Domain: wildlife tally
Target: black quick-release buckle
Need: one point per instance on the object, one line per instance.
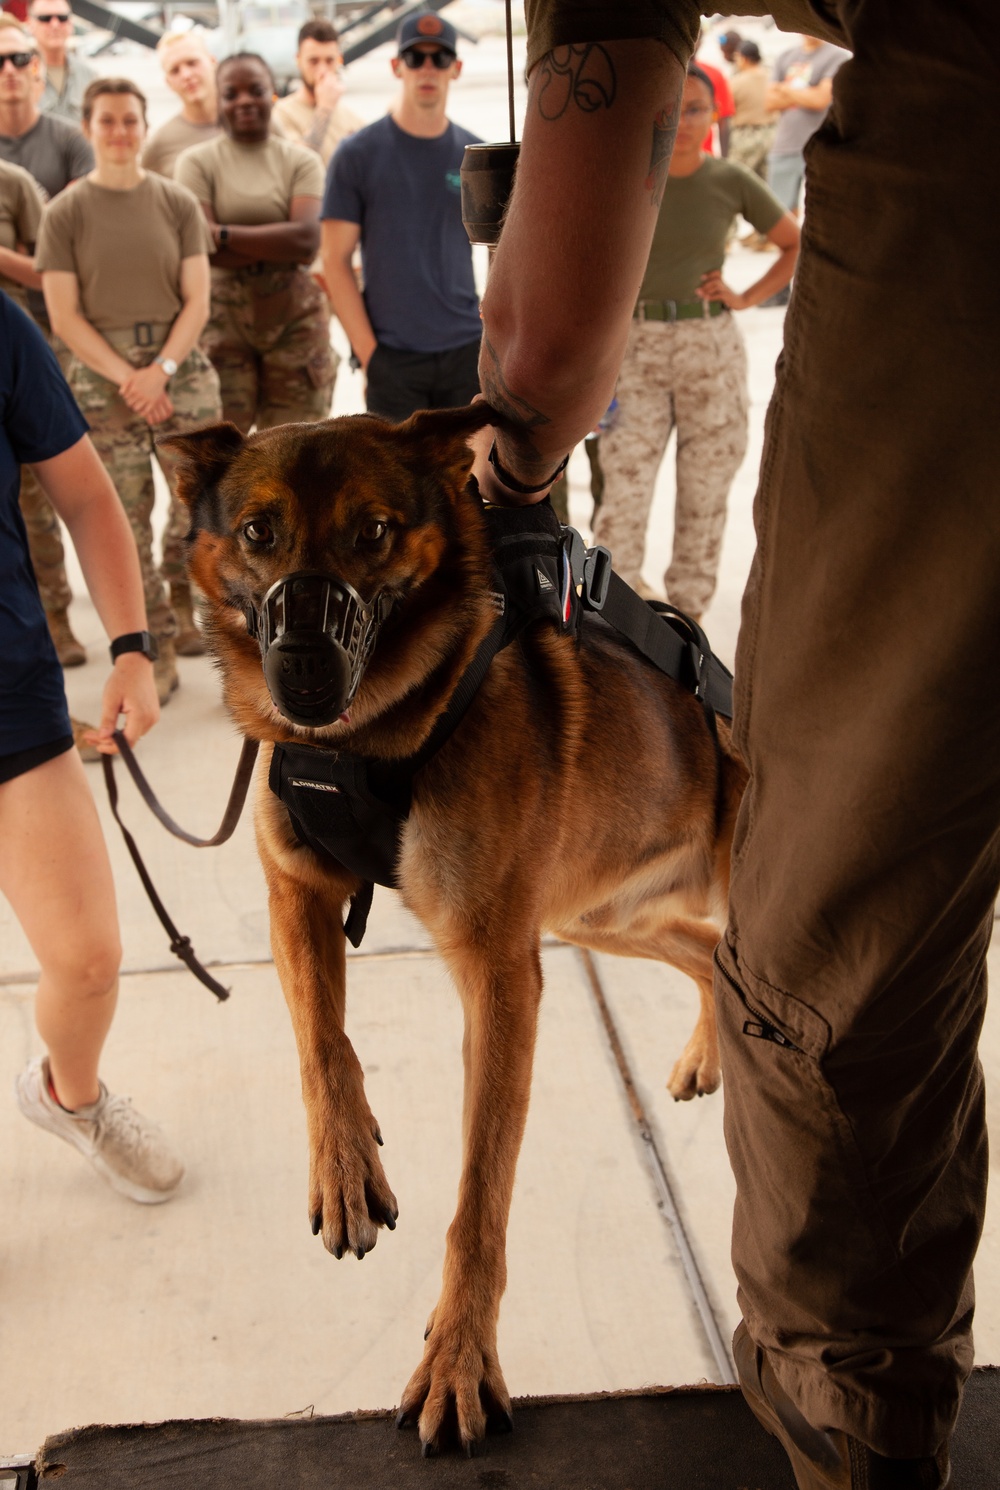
(143, 333)
(596, 577)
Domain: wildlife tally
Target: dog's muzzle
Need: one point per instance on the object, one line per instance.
(316, 636)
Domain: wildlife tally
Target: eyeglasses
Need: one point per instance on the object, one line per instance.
(413, 58)
(19, 59)
(46, 20)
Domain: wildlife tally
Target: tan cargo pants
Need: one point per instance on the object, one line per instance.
(126, 445)
(867, 857)
(268, 338)
(45, 542)
(690, 376)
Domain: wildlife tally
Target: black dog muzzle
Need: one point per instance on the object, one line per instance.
(316, 637)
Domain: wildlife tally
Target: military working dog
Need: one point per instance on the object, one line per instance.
(582, 794)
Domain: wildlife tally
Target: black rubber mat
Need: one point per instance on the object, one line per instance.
(684, 1439)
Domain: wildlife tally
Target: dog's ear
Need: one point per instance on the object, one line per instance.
(441, 437)
(203, 457)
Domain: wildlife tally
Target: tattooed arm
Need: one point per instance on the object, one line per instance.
(567, 271)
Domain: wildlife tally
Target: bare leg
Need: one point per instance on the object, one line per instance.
(54, 870)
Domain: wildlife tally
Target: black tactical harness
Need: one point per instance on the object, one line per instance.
(352, 809)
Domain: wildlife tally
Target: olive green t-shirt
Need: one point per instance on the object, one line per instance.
(250, 185)
(21, 206)
(125, 248)
(694, 221)
(167, 143)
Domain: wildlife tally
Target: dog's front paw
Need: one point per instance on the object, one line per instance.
(698, 1071)
(349, 1195)
(458, 1389)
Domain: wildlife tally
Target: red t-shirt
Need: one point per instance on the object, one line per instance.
(725, 108)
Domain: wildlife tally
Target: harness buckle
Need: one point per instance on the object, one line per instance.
(573, 564)
(596, 576)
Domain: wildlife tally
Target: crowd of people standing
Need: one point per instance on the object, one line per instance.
(188, 275)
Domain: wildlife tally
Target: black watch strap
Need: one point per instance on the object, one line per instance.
(135, 641)
(512, 483)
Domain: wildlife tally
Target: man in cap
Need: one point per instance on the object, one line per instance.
(393, 188)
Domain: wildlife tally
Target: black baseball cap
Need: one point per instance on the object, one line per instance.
(426, 25)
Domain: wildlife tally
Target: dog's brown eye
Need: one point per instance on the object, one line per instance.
(258, 532)
(374, 530)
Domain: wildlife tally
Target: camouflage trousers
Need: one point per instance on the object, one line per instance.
(750, 145)
(126, 445)
(45, 542)
(269, 340)
(690, 376)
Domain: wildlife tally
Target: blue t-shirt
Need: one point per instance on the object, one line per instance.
(38, 419)
(404, 193)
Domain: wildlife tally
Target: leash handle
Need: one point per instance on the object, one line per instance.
(234, 807)
(180, 945)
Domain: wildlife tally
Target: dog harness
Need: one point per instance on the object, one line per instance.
(352, 808)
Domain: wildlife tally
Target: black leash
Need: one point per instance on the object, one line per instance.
(180, 945)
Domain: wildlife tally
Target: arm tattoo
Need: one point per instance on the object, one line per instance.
(664, 132)
(583, 75)
(518, 416)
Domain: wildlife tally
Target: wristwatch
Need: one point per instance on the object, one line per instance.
(168, 364)
(135, 641)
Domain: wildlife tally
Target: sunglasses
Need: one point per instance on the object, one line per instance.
(413, 59)
(55, 15)
(19, 59)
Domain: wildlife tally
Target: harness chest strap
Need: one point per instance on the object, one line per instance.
(353, 809)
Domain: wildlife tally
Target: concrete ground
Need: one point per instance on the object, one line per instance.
(222, 1303)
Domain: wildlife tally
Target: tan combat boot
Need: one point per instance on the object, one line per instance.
(189, 641)
(165, 670)
(69, 651)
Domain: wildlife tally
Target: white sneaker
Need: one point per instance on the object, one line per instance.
(125, 1148)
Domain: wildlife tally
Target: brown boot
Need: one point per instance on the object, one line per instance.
(165, 671)
(88, 753)
(69, 651)
(189, 641)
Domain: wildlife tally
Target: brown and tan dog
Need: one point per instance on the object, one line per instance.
(582, 795)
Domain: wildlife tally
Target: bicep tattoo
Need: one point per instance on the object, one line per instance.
(580, 75)
(664, 131)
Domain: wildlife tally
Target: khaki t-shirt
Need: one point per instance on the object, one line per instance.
(297, 117)
(250, 185)
(166, 143)
(125, 248)
(749, 91)
(695, 217)
(21, 207)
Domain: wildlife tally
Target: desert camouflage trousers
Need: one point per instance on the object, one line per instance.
(126, 445)
(45, 543)
(269, 340)
(750, 145)
(690, 376)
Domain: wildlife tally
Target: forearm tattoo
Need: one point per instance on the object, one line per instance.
(518, 415)
(581, 75)
(664, 131)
